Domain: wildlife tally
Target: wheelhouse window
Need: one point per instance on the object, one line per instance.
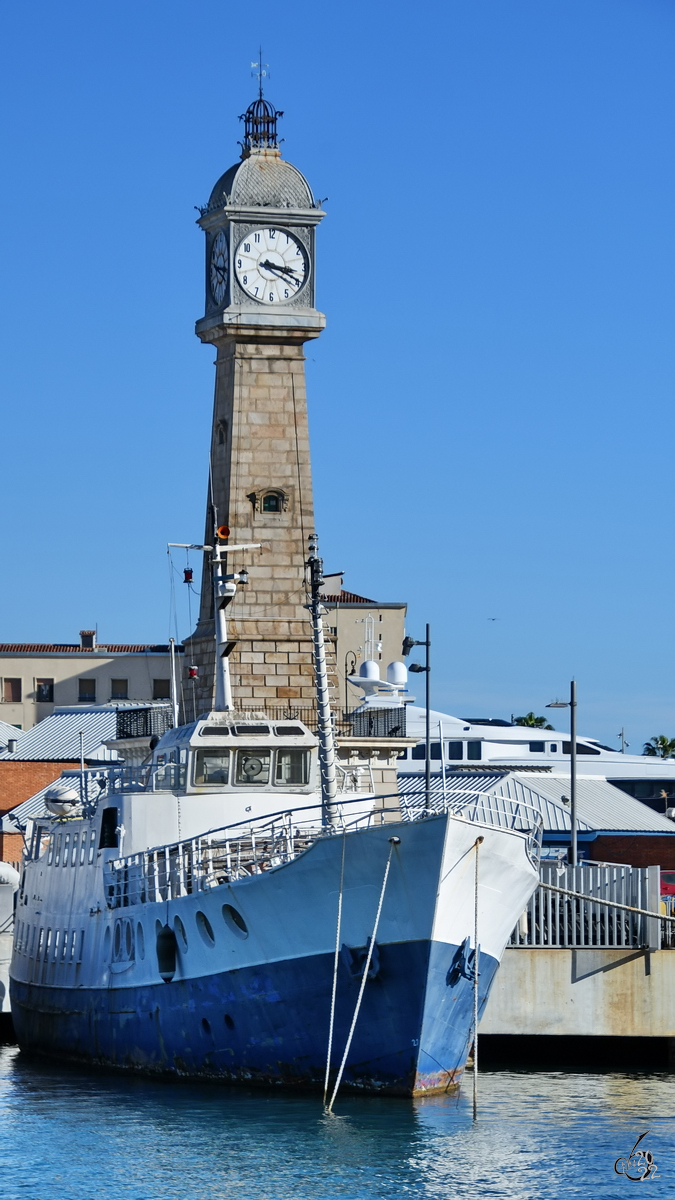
(44, 691)
(292, 767)
(537, 747)
(212, 767)
(473, 750)
(253, 767)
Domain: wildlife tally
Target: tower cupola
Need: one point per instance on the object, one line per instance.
(260, 127)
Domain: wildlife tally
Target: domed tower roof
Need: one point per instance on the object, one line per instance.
(262, 179)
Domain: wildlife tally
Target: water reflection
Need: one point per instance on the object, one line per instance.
(80, 1134)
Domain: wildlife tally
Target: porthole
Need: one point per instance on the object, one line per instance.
(205, 930)
(180, 933)
(228, 1021)
(129, 939)
(140, 940)
(234, 921)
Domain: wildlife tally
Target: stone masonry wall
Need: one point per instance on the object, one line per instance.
(260, 446)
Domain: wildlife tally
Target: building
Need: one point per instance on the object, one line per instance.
(612, 827)
(36, 677)
(97, 733)
(359, 629)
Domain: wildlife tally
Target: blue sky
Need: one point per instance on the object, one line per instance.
(491, 404)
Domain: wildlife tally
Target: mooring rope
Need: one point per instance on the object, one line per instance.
(476, 955)
(393, 841)
(335, 967)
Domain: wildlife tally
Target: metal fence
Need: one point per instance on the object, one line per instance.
(373, 722)
(143, 722)
(553, 920)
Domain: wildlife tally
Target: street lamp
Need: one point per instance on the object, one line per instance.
(408, 644)
(572, 705)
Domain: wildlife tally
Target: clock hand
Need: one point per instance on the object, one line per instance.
(270, 266)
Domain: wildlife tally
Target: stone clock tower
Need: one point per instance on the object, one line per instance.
(260, 225)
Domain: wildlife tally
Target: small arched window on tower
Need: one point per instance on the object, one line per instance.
(272, 502)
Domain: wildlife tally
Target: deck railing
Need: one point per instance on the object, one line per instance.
(237, 851)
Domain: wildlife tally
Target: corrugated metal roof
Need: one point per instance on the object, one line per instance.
(76, 648)
(57, 738)
(9, 731)
(601, 806)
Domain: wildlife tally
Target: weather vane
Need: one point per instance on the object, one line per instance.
(261, 70)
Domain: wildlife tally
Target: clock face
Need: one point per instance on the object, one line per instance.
(271, 265)
(219, 268)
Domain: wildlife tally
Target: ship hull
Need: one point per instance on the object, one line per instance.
(269, 1025)
(256, 1007)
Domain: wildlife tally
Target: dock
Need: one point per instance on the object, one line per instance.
(586, 982)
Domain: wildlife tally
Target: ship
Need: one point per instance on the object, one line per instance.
(236, 909)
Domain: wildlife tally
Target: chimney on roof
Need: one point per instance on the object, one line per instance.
(87, 639)
(11, 745)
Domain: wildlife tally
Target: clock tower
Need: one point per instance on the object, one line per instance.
(260, 225)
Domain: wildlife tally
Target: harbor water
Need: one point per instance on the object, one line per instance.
(74, 1135)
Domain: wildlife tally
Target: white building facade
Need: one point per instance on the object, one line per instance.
(35, 676)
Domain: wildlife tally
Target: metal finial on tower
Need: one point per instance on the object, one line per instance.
(260, 118)
(261, 71)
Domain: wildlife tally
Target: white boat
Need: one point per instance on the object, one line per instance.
(226, 911)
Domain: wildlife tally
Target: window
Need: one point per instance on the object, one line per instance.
(419, 751)
(44, 691)
(11, 691)
(582, 748)
(537, 747)
(161, 689)
(212, 767)
(271, 502)
(473, 750)
(119, 689)
(436, 750)
(108, 839)
(553, 747)
(86, 691)
(292, 767)
(455, 751)
(253, 766)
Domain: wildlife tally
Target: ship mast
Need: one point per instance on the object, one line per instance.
(325, 720)
(224, 591)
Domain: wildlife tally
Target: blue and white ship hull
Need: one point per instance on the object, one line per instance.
(234, 981)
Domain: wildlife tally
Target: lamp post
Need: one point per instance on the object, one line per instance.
(572, 705)
(408, 644)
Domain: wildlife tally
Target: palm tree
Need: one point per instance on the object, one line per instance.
(660, 747)
(532, 722)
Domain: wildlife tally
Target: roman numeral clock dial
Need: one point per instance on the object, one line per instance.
(270, 265)
(219, 268)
